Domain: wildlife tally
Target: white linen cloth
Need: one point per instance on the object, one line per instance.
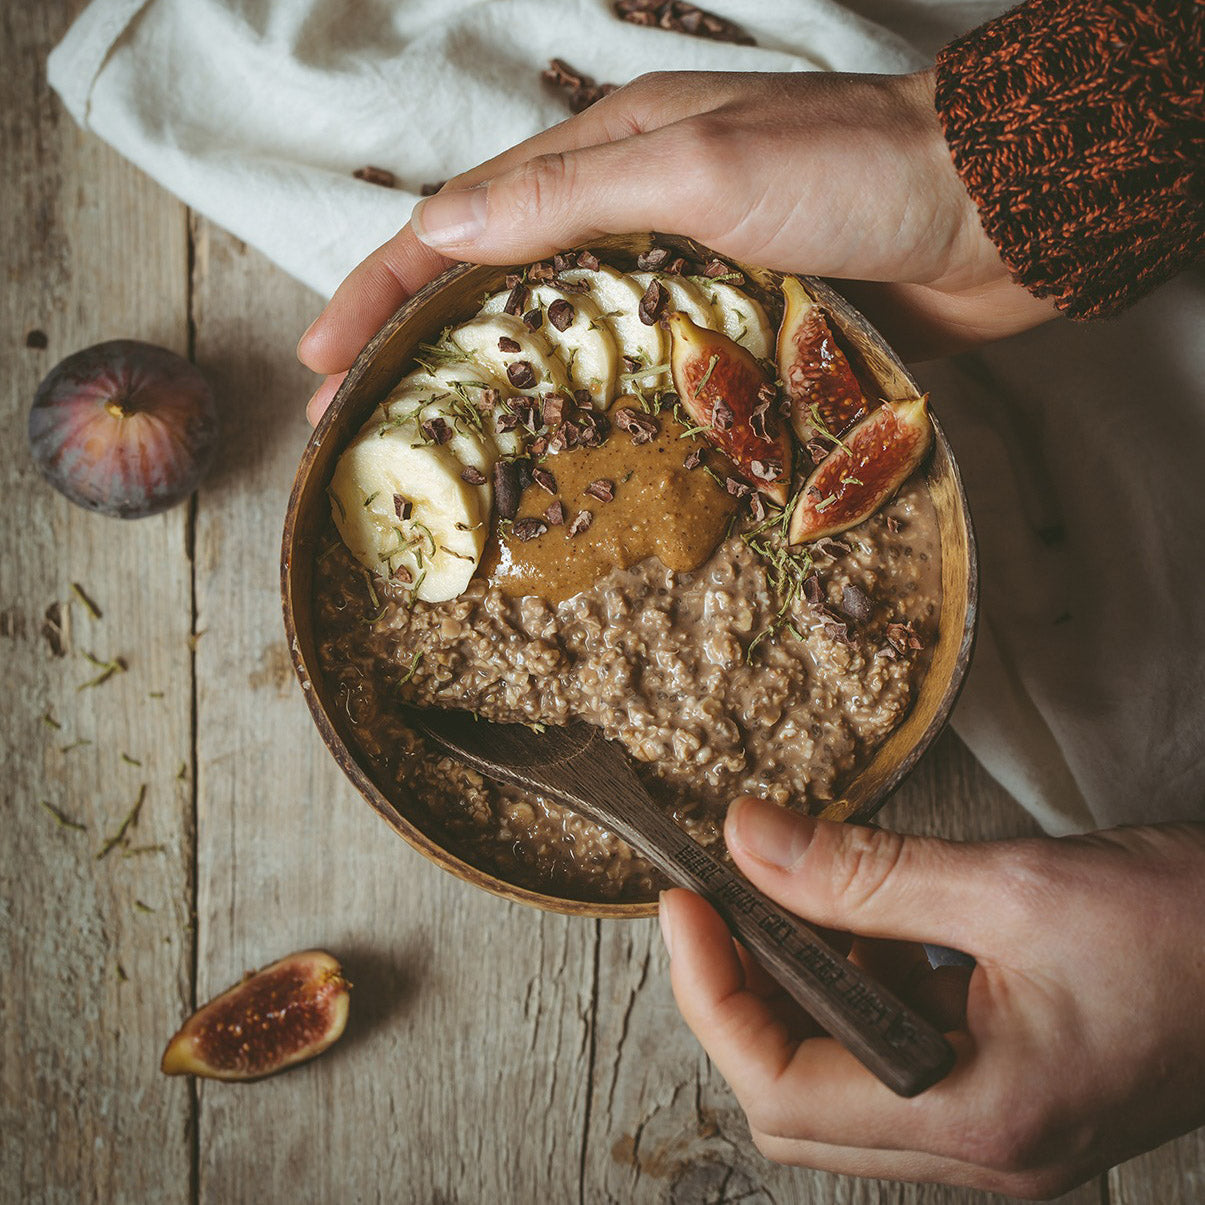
(1082, 446)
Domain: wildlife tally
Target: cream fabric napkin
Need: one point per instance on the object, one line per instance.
(1083, 447)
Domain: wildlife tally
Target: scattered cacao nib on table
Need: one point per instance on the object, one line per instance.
(579, 90)
(680, 17)
(381, 176)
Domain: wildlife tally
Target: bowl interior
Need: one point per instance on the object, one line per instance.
(455, 296)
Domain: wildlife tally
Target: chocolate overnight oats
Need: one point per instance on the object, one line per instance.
(601, 535)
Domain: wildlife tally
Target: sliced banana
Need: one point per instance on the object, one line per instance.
(743, 319)
(618, 298)
(421, 397)
(479, 338)
(586, 346)
(404, 511)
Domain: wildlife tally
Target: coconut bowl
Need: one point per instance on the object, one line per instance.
(454, 297)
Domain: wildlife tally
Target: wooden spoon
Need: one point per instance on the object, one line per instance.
(577, 766)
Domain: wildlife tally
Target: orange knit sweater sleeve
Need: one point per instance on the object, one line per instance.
(1078, 128)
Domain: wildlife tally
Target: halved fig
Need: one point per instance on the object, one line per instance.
(282, 1015)
(856, 478)
(726, 391)
(814, 371)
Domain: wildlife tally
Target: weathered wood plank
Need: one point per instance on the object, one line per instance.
(92, 251)
(664, 1125)
(463, 1075)
(1172, 1175)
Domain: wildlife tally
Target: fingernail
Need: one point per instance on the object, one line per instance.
(768, 832)
(450, 219)
(667, 934)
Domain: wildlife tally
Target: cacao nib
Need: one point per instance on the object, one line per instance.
(555, 514)
(829, 546)
(562, 261)
(572, 433)
(856, 603)
(652, 259)
(472, 475)
(506, 489)
(561, 314)
(522, 472)
(721, 415)
(757, 421)
(554, 408)
(488, 399)
(583, 399)
(813, 591)
(507, 421)
(902, 637)
(675, 267)
(509, 345)
(381, 176)
(765, 470)
(513, 279)
(401, 507)
(643, 428)
(529, 529)
(538, 446)
(594, 428)
(521, 374)
(541, 273)
(894, 525)
(817, 451)
(544, 479)
(653, 302)
(694, 458)
(561, 75)
(677, 16)
(581, 521)
(631, 364)
(588, 260)
(534, 319)
(517, 299)
(757, 508)
(738, 489)
(602, 489)
(436, 430)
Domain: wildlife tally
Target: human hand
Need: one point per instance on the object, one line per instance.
(1079, 1032)
(835, 175)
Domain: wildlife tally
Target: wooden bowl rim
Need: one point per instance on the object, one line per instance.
(389, 812)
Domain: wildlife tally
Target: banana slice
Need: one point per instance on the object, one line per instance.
(423, 397)
(585, 345)
(744, 321)
(404, 511)
(684, 295)
(618, 298)
(481, 341)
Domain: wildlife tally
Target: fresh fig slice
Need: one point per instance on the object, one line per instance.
(284, 1014)
(726, 391)
(857, 477)
(814, 371)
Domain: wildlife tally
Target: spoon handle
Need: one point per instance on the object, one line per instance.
(904, 1050)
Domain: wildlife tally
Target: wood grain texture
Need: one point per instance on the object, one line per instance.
(494, 1053)
(92, 250)
(465, 1069)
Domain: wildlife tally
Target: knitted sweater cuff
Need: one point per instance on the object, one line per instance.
(1077, 128)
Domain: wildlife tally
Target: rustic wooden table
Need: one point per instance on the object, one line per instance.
(495, 1053)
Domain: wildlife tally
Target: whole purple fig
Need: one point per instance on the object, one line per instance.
(124, 428)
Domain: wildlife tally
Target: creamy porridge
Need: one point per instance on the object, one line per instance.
(675, 617)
